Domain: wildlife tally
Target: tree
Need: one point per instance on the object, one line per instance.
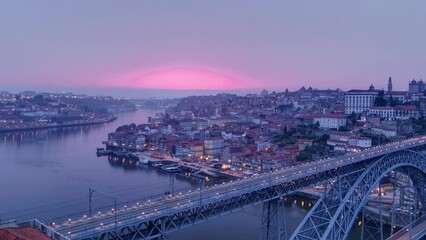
(304, 156)
(343, 129)
(380, 101)
(353, 118)
(317, 125)
(394, 101)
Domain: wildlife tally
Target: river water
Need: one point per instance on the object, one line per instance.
(46, 174)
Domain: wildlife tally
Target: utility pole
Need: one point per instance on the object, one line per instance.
(91, 192)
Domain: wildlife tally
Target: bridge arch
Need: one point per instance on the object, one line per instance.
(335, 212)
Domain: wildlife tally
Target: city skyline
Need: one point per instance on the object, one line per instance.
(209, 47)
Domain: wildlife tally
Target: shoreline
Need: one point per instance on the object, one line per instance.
(58, 126)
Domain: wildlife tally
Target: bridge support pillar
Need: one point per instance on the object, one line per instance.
(163, 229)
(273, 222)
(419, 181)
(372, 228)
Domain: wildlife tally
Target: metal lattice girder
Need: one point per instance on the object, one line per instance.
(273, 221)
(152, 229)
(371, 229)
(155, 219)
(325, 221)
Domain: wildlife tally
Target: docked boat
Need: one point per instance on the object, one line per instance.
(102, 152)
(143, 160)
(171, 168)
(157, 165)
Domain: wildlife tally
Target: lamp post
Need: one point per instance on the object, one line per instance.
(201, 191)
(91, 192)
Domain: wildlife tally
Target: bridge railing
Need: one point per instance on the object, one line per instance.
(136, 217)
(221, 191)
(409, 229)
(7, 224)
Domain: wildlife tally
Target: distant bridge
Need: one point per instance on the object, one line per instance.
(354, 177)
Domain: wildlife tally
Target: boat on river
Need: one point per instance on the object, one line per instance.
(102, 152)
(157, 165)
(143, 160)
(172, 168)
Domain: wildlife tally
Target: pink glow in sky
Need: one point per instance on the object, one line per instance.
(182, 78)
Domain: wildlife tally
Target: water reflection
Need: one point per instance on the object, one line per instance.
(121, 162)
(134, 165)
(43, 135)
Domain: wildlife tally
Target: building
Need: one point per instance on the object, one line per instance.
(416, 87)
(423, 107)
(349, 144)
(390, 85)
(187, 124)
(357, 101)
(400, 112)
(328, 120)
(197, 148)
(303, 143)
(387, 113)
(400, 96)
(388, 132)
(362, 142)
(341, 136)
(404, 112)
(213, 146)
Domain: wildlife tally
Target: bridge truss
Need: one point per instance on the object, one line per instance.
(354, 177)
(335, 212)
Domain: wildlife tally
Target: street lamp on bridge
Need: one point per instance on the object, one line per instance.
(91, 192)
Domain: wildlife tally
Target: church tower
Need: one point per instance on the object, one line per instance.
(390, 85)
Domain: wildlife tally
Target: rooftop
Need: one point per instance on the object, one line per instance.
(22, 234)
(330, 115)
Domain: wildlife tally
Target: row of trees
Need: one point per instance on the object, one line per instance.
(381, 101)
(319, 148)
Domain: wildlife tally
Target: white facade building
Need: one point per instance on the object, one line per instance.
(401, 112)
(406, 112)
(328, 120)
(358, 101)
(213, 146)
(362, 142)
(387, 113)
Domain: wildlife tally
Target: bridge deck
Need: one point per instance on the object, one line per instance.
(142, 212)
(414, 233)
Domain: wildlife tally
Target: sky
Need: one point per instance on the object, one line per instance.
(170, 48)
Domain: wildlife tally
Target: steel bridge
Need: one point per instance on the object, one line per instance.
(354, 177)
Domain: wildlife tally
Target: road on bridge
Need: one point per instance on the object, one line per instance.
(153, 209)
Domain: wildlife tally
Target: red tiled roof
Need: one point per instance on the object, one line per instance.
(361, 138)
(382, 108)
(406, 107)
(330, 115)
(396, 92)
(359, 90)
(21, 234)
(340, 133)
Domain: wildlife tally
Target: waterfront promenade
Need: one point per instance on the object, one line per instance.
(71, 124)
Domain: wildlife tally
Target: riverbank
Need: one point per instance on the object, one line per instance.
(59, 125)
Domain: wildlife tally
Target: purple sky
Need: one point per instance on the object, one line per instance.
(90, 45)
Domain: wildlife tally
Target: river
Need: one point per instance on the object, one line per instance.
(47, 174)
